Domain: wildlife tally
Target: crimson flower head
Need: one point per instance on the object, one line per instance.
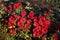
(42, 18)
(29, 21)
(18, 17)
(37, 32)
(11, 19)
(55, 36)
(23, 13)
(5, 9)
(19, 23)
(22, 20)
(27, 26)
(0, 8)
(9, 7)
(57, 26)
(15, 6)
(44, 30)
(31, 14)
(14, 23)
(1, 2)
(43, 38)
(47, 22)
(35, 20)
(12, 31)
(43, 21)
(36, 24)
(9, 24)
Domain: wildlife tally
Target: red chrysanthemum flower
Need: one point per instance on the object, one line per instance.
(36, 24)
(44, 30)
(11, 19)
(9, 24)
(18, 17)
(35, 20)
(29, 21)
(27, 26)
(55, 36)
(43, 38)
(9, 7)
(14, 23)
(23, 13)
(37, 32)
(21, 27)
(15, 6)
(12, 31)
(19, 23)
(22, 20)
(57, 26)
(1, 2)
(24, 30)
(5, 9)
(43, 21)
(31, 14)
(47, 22)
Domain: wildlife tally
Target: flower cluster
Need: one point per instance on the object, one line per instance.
(22, 23)
(41, 25)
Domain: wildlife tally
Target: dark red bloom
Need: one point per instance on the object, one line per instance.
(42, 18)
(21, 27)
(43, 21)
(9, 24)
(22, 20)
(24, 30)
(35, 20)
(12, 31)
(14, 23)
(37, 32)
(44, 30)
(36, 24)
(16, 5)
(55, 36)
(9, 7)
(1, 2)
(19, 23)
(5, 9)
(23, 13)
(43, 38)
(47, 12)
(18, 17)
(0, 8)
(47, 22)
(11, 19)
(57, 26)
(27, 26)
(29, 21)
(31, 14)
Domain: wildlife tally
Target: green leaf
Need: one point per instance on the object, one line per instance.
(6, 0)
(0, 16)
(12, 38)
(58, 32)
